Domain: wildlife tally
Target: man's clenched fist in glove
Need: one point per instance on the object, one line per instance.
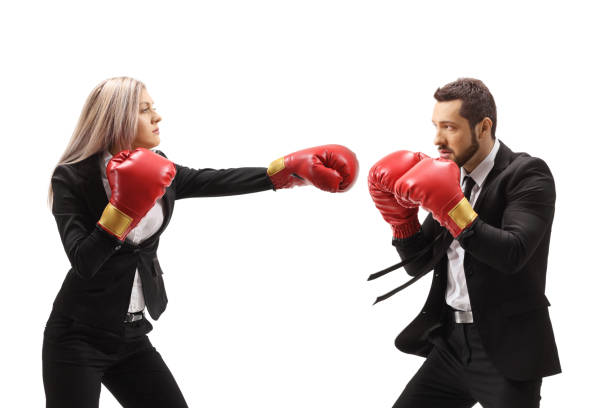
(434, 185)
(381, 183)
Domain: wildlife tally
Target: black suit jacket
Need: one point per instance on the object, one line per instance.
(506, 252)
(97, 288)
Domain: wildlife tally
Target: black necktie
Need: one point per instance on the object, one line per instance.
(469, 185)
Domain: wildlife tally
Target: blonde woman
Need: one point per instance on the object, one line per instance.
(112, 197)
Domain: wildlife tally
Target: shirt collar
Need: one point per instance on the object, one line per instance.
(480, 173)
(106, 156)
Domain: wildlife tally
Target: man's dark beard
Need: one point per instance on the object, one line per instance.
(467, 155)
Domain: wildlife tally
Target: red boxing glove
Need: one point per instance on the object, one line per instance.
(404, 220)
(434, 184)
(330, 168)
(137, 179)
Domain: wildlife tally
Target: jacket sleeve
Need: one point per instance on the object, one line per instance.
(528, 213)
(214, 183)
(408, 247)
(190, 182)
(88, 246)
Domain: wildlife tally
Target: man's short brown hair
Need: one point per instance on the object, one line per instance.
(478, 103)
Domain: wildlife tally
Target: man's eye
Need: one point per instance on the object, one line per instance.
(145, 110)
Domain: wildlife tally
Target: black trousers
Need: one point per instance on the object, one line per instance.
(458, 373)
(78, 358)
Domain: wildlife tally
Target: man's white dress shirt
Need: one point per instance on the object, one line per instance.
(457, 295)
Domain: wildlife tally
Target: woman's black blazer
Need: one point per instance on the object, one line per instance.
(97, 288)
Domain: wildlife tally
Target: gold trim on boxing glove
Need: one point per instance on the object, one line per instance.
(276, 166)
(463, 214)
(114, 220)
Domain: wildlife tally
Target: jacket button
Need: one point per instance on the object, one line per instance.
(118, 247)
(424, 312)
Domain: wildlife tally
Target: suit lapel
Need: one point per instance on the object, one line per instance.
(167, 205)
(167, 208)
(502, 160)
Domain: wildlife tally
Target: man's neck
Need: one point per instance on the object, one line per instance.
(483, 151)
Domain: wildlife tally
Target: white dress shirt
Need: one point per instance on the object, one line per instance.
(148, 225)
(457, 295)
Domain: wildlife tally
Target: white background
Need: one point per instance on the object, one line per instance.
(269, 304)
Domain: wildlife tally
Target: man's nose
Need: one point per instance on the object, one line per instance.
(438, 138)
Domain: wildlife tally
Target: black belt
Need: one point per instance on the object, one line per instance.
(133, 317)
(438, 247)
(460, 316)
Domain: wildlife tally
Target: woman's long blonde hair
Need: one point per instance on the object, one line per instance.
(109, 119)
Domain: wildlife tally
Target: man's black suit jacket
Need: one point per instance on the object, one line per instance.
(506, 252)
(97, 288)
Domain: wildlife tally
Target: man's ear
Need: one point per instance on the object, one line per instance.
(483, 129)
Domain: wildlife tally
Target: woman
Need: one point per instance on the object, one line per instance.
(112, 198)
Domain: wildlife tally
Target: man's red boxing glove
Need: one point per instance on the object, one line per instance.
(434, 184)
(330, 168)
(404, 220)
(137, 179)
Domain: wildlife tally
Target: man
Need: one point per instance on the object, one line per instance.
(485, 328)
